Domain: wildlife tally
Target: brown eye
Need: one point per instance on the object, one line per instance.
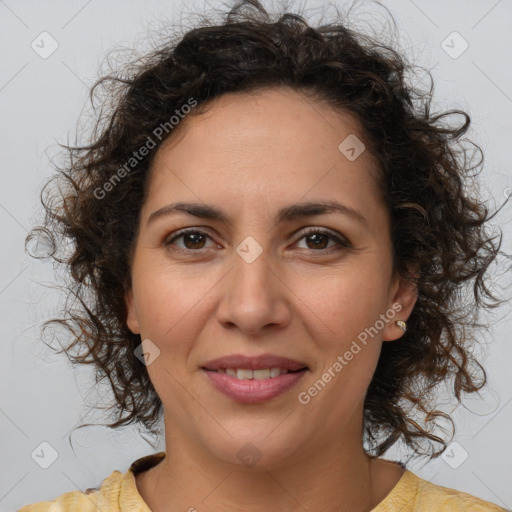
(320, 239)
(196, 240)
(193, 239)
(317, 240)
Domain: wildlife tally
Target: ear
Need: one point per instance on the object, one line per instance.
(404, 295)
(131, 315)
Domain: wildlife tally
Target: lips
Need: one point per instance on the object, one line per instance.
(253, 391)
(253, 380)
(254, 363)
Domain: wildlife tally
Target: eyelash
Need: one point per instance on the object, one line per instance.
(311, 231)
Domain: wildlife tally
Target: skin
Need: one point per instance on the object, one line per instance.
(250, 155)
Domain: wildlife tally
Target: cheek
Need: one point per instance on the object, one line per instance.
(167, 317)
(342, 310)
(163, 298)
(172, 310)
(342, 306)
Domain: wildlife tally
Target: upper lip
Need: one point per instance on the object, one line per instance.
(254, 363)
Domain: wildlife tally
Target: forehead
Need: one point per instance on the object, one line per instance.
(263, 146)
(274, 118)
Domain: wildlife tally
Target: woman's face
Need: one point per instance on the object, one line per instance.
(256, 283)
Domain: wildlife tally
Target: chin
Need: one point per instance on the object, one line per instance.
(259, 451)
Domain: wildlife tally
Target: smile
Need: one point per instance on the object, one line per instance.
(244, 373)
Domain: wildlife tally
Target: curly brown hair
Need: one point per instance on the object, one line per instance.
(438, 225)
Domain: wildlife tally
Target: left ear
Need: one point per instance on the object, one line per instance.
(404, 296)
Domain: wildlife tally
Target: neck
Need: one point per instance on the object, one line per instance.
(316, 478)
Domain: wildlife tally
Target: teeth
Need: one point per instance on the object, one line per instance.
(244, 374)
(275, 372)
(261, 374)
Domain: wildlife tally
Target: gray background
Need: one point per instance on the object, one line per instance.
(42, 396)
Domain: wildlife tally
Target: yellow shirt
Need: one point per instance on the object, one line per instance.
(118, 493)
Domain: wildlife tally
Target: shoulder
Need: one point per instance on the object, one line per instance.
(117, 492)
(430, 496)
(104, 498)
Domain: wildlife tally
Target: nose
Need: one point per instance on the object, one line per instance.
(254, 297)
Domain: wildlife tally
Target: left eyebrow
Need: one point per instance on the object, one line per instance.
(285, 214)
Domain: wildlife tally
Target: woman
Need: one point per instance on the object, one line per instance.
(270, 237)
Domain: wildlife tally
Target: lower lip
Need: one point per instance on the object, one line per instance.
(253, 391)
